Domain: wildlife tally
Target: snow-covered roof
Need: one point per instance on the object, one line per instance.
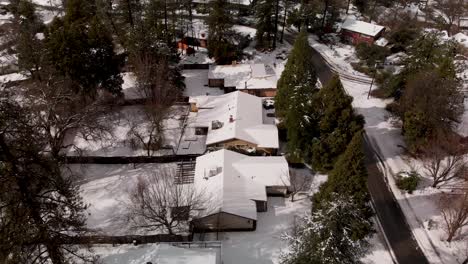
(362, 27)
(244, 76)
(241, 116)
(461, 38)
(234, 181)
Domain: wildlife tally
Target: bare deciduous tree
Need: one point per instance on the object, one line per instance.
(159, 203)
(60, 112)
(444, 162)
(148, 134)
(297, 182)
(454, 209)
(451, 11)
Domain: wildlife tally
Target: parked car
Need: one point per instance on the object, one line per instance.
(269, 104)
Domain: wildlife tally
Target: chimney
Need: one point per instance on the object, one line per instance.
(245, 84)
(231, 119)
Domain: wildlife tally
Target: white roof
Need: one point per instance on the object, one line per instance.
(461, 38)
(247, 119)
(244, 76)
(240, 179)
(361, 27)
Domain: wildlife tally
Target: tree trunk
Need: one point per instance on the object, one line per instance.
(276, 24)
(284, 20)
(165, 22)
(325, 10)
(130, 13)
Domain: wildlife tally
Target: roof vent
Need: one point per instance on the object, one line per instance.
(215, 171)
(231, 119)
(216, 124)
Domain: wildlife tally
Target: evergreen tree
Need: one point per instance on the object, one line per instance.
(349, 178)
(327, 235)
(39, 207)
(293, 101)
(80, 48)
(220, 33)
(130, 11)
(265, 23)
(337, 124)
(28, 45)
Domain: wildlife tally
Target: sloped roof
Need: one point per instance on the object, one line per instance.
(362, 27)
(461, 38)
(240, 179)
(247, 119)
(244, 76)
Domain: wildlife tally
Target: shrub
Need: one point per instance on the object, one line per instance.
(408, 181)
(371, 53)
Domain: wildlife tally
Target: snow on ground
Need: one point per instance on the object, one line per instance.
(244, 30)
(199, 57)
(105, 189)
(196, 83)
(338, 56)
(54, 3)
(264, 245)
(419, 208)
(12, 77)
(128, 86)
(276, 59)
(118, 144)
(155, 253)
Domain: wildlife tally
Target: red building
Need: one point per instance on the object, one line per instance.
(356, 32)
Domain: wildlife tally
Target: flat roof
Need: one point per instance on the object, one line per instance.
(362, 27)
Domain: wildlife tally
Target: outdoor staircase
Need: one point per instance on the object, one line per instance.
(185, 172)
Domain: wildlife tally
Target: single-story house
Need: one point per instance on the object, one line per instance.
(355, 32)
(195, 35)
(238, 186)
(233, 120)
(256, 79)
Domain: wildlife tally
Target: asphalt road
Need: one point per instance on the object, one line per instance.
(391, 217)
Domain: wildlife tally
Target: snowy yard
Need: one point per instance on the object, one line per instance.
(419, 208)
(156, 253)
(118, 142)
(105, 189)
(264, 245)
(196, 83)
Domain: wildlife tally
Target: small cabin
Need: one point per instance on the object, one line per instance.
(355, 32)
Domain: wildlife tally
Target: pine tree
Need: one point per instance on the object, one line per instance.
(349, 177)
(39, 207)
(220, 30)
(338, 124)
(29, 47)
(80, 48)
(327, 235)
(294, 99)
(130, 12)
(265, 24)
